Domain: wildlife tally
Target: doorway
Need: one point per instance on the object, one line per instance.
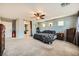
(8, 29)
(28, 28)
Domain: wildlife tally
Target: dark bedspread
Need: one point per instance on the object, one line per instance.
(45, 37)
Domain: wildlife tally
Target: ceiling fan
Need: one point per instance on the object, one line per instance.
(38, 15)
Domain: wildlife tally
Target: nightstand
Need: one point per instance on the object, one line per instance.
(60, 36)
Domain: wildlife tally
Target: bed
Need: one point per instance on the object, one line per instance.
(46, 36)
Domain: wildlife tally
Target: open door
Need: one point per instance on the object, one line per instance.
(8, 29)
(31, 27)
(28, 28)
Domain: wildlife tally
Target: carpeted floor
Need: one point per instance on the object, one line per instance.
(32, 47)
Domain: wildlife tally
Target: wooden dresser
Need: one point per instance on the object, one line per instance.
(70, 35)
(2, 38)
(78, 39)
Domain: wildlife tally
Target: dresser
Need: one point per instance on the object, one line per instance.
(2, 38)
(77, 39)
(70, 35)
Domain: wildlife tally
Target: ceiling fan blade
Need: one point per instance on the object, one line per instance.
(38, 14)
(42, 18)
(35, 14)
(42, 15)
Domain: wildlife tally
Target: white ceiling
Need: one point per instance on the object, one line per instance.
(24, 10)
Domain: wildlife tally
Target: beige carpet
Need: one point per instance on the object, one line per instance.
(32, 47)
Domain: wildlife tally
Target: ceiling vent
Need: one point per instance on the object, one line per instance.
(65, 4)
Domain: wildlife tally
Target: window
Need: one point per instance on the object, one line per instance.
(60, 23)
